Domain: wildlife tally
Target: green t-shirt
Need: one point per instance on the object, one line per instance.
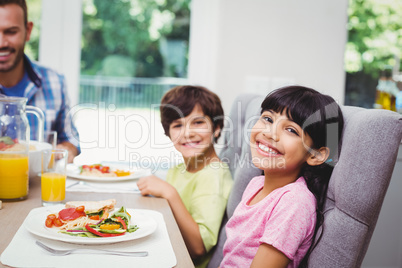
(205, 194)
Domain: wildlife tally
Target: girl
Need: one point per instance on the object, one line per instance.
(198, 189)
(295, 142)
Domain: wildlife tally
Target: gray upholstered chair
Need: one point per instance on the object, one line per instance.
(357, 187)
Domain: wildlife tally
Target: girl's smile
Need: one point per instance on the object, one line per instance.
(268, 150)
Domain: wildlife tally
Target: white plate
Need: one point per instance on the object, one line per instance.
(73, 171)
(35, 224)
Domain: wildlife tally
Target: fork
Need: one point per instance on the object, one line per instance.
(59, 252)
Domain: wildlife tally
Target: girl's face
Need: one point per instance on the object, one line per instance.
(279, 145)
(193, 135)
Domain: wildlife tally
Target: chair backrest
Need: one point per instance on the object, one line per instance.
(357, 186)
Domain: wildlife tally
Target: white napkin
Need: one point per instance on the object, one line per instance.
(23, 252)
(73, 185)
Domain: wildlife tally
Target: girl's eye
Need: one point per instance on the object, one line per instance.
(267, 119)
(292, 130)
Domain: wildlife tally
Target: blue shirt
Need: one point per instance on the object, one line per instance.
(19, 89)
(46, 89)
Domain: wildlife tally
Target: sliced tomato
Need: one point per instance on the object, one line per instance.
(49, 223)
(80, 209)
(96, 166)
(51, 216)
(57, 222)
(105, 169)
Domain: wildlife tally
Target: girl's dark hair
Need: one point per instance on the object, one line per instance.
(180, 101)
(321, 118)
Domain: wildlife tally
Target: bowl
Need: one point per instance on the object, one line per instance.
(35, 157)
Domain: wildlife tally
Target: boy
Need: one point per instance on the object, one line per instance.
(197, 190)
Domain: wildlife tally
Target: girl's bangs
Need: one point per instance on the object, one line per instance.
(297, 105)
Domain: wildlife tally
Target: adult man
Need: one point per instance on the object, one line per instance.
(43, 87)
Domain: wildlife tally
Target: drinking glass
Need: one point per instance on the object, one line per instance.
(53, 176)
(51, 138)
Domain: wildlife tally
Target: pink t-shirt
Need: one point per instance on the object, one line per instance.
(284, 219)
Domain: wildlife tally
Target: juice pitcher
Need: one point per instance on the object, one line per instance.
(14, 146)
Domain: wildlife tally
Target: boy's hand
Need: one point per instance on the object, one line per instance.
(152, 185)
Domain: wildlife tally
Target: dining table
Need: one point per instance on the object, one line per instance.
(13, 214)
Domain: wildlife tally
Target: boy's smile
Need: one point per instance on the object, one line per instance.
(190, 144)
(193, 135)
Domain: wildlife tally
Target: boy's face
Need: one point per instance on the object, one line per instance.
(193, 135)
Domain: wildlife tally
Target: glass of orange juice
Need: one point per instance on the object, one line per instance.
(53, 176)
(13, 176)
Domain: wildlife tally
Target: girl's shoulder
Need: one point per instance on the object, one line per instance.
(297, 192)
(298, 185)
(255, 184)
(257, 181)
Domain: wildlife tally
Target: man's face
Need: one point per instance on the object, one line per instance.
(13, 35)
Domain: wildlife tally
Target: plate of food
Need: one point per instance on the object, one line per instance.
(90, 222)
(100, 172)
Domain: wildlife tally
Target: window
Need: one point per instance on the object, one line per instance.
(34, 15)
(373, 53)
(133, 51)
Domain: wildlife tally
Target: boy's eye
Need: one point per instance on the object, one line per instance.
(176, 125)
(199, 122)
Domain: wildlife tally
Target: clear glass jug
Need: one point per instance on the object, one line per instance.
(14, 146)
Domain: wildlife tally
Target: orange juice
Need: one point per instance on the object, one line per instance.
(53, 187)
(13, 176)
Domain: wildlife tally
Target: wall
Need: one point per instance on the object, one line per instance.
(60, 40)
(257, 45)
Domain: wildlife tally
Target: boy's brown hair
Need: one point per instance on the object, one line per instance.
(180, 101)
(20, 3)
